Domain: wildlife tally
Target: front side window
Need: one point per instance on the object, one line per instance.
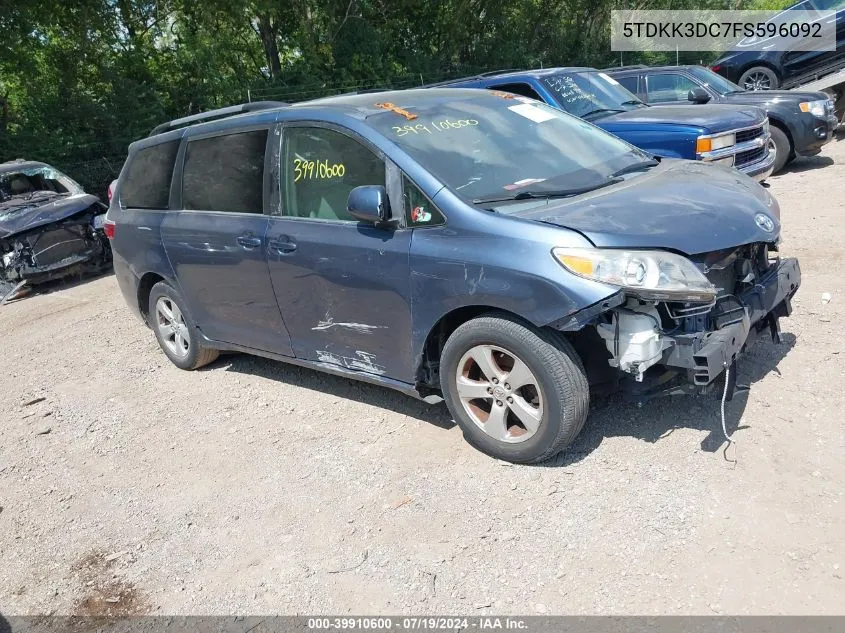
(146, 183)
(668, 87)
(714, 81)
(481, 145)
(320, 168)
(225, 173)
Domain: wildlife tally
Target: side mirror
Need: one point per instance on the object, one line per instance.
(369, 203)
(698, 95)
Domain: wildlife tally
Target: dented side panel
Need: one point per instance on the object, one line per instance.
(343, 290)
(484, 259)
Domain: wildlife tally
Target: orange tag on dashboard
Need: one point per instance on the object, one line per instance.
(503, 95)
(397, 110)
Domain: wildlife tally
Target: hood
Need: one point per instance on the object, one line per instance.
(765, 98)
(714, 118)
(54, 210)
(679, 205)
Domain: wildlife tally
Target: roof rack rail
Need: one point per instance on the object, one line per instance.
(220, 113)
(626, 67)
(499, 72)
(476, 76)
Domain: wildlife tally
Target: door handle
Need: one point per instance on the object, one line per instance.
(282, 246)
(248, 241)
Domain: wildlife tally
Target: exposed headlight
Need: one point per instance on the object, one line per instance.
(816, 108)
(656, 275)
(711, 143)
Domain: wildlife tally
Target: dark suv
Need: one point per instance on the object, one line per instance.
(463, 244)
(800, 123)
(772, 69)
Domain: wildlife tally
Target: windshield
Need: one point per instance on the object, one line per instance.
(494, 147)
(716, 82)
(590, 94)
(30, 182)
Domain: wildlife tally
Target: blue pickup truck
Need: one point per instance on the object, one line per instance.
(731, 135)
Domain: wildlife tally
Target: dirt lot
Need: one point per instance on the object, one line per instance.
(129, 486)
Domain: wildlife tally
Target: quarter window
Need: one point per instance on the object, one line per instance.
(146, 184)
(669, 87)
(419, 210)
(321, 167)
(225, 173)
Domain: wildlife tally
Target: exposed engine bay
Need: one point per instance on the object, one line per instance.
(696, 342)
(49, 228)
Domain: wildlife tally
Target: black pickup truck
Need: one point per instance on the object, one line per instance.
(800, 122)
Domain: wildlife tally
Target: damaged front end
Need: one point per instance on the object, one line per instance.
(72, 245)
(664, 345)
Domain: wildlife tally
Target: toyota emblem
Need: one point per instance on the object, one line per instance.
(765, 222)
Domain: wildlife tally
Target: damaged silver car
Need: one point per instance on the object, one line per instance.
(49, 228)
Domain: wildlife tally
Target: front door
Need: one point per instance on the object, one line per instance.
(217, 243)
(342, 286)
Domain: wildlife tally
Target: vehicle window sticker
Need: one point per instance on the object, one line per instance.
(419, 210)
(532, 112)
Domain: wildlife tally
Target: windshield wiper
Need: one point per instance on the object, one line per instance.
(638, 166)
(632, 102)
(600, 110)
(559, 193)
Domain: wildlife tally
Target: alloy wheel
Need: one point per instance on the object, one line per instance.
(172, 328)
(500, 393)
(758, 81)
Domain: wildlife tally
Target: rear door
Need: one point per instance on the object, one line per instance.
(217, 242)
(342, 286)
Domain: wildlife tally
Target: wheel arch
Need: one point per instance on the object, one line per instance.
(428, 360)
(145, 286)
(776, 121)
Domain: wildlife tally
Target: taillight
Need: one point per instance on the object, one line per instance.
(715, 69)
(108, 229)
(111, 189)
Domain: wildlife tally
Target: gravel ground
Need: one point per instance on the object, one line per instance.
(129, 486)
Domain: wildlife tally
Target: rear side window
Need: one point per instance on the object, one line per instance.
(520, 89)
(225, 173)
(147, 181)
(629, 82)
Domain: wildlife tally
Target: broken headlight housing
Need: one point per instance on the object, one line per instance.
(652, 275)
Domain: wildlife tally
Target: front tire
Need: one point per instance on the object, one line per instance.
(518, 393)
(782, 146)
(759, 78)
(175, 331)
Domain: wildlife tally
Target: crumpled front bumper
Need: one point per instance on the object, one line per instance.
(705, 355)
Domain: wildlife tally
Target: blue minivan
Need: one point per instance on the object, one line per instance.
(458, 244)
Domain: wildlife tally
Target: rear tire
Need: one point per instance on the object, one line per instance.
(175, 331)
(530, 420)
(782, 146)
(759, 78)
